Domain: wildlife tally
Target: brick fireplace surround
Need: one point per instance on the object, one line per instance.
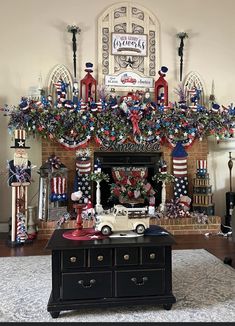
(198, 150)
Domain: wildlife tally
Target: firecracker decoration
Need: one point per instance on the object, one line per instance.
(83, 169)
(131, 118)
(180, 170)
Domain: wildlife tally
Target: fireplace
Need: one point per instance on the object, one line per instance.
(110, 160)
(139, 157)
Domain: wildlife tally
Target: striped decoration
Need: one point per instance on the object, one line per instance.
(83, 166)
(180, 171)
(180, 167)
(201, 167)
(20, 134)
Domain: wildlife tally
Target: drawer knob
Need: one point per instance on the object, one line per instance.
(126, 257)
(141, 282)
(88, 284)
(73, 259)
(100, 258)
(152, 255)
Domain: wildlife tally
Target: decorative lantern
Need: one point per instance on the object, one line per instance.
(88, 85)
(52, 203)
(161, 88)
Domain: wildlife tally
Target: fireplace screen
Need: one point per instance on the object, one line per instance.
(130, 178)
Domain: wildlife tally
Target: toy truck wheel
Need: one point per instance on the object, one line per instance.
(140, 229)
(106, 230)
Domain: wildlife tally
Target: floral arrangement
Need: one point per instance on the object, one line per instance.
(163, 175)
(174, 209)
(54, 161)
(131, 189)
(98, 176)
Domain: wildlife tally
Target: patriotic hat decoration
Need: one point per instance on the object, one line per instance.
(162, 72)
(83, 161)
(58, 189)
(20, 139)
(89, 67)
(180, 170)
(215, 108)
(201, 167)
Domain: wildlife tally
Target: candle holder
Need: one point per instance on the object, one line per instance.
(181, 36)
(74, 30)
(79, 232)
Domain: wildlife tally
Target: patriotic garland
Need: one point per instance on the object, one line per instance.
(75, 123)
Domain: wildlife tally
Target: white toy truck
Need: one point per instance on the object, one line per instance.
(121, 219)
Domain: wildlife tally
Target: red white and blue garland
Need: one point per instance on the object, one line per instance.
(75, 123)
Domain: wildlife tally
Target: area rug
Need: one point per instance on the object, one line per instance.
(203, 286)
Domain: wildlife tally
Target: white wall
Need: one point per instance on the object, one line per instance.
(34, 39)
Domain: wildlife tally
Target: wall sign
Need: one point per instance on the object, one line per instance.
(129, 44)
(128, 78)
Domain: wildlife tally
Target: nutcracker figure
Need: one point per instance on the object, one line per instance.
(19, 180)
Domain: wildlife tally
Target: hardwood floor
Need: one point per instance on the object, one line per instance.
(218, 245)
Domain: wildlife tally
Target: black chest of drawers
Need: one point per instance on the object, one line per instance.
(112, 271)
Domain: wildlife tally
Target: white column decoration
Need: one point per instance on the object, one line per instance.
(162, 205)
(98, 207)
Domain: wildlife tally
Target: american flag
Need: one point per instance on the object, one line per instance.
(180, 170)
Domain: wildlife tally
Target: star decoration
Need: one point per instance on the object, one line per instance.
(94, 236)
(21, 143)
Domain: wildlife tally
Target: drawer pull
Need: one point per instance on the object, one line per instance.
(73, 259)
(144, 279)
(100, 258)
(126, 257)
(88, 285)
(152, 256)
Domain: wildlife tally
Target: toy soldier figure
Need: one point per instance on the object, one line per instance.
(19, 179)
